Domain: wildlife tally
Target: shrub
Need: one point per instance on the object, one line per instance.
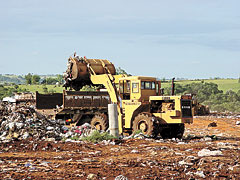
(209, 94)
(96, 136)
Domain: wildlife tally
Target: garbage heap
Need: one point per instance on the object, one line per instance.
(18, 122)
(22, 122)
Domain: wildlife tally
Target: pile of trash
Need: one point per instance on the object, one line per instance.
(18, 122)
(22, 122)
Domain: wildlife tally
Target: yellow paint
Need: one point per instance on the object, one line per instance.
(130, 108)
(136, 90)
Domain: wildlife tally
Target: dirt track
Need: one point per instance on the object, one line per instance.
(133, 158)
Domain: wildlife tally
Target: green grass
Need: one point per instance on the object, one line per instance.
(39, 88)
(223, 84)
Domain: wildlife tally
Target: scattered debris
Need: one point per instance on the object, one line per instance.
(235, 169)
(212, 124)
(207, 152)
(134, 151)
(92, 176)
(121, 177)
(190, 160)
(200, 174)
(30, 148)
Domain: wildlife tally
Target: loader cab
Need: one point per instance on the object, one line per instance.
(137, 88)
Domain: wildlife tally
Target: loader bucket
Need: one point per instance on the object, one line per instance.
(79, 70)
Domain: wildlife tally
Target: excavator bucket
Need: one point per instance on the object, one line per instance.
(79, 70)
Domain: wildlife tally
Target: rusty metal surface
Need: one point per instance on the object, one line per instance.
(79, 69)
(48, 101)
(74, 99)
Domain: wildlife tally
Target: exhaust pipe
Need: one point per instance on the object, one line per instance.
(173, 86)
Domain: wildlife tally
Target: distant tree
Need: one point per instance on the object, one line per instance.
(6, 91)
(2, 91)
(179, 89)
(238, 93)
(232, 96)
(28, 78)
(51, 80)
(60, 78)
(44, 81)
(121, 71)
(35, 79)
(164, 79)
(16, 86)
(239, 79)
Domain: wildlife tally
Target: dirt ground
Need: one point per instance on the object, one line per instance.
(132, 158)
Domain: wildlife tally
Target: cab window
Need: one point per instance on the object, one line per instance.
(128, 87)
(153, 85)
(135, 87)
(148, 85)
(157, 88)
(121, 87)
(124, 88)
(142, 85)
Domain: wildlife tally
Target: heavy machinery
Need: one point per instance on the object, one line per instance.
(75, 107)
(197, 108)
(141, 106)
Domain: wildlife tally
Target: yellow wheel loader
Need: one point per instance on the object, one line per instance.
(141, 105)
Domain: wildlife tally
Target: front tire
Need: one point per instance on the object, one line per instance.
(146, 124)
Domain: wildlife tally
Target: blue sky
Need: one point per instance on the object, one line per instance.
(184, 39)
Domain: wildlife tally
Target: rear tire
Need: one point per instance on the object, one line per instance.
(99, 122)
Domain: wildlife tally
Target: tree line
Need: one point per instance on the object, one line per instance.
(36, 79)
(209, 94)
(206, 93)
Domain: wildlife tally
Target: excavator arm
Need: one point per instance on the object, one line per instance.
(83, 71)
(108, 81)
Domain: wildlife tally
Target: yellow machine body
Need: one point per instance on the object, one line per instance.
(140, 102)
(137, 94)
